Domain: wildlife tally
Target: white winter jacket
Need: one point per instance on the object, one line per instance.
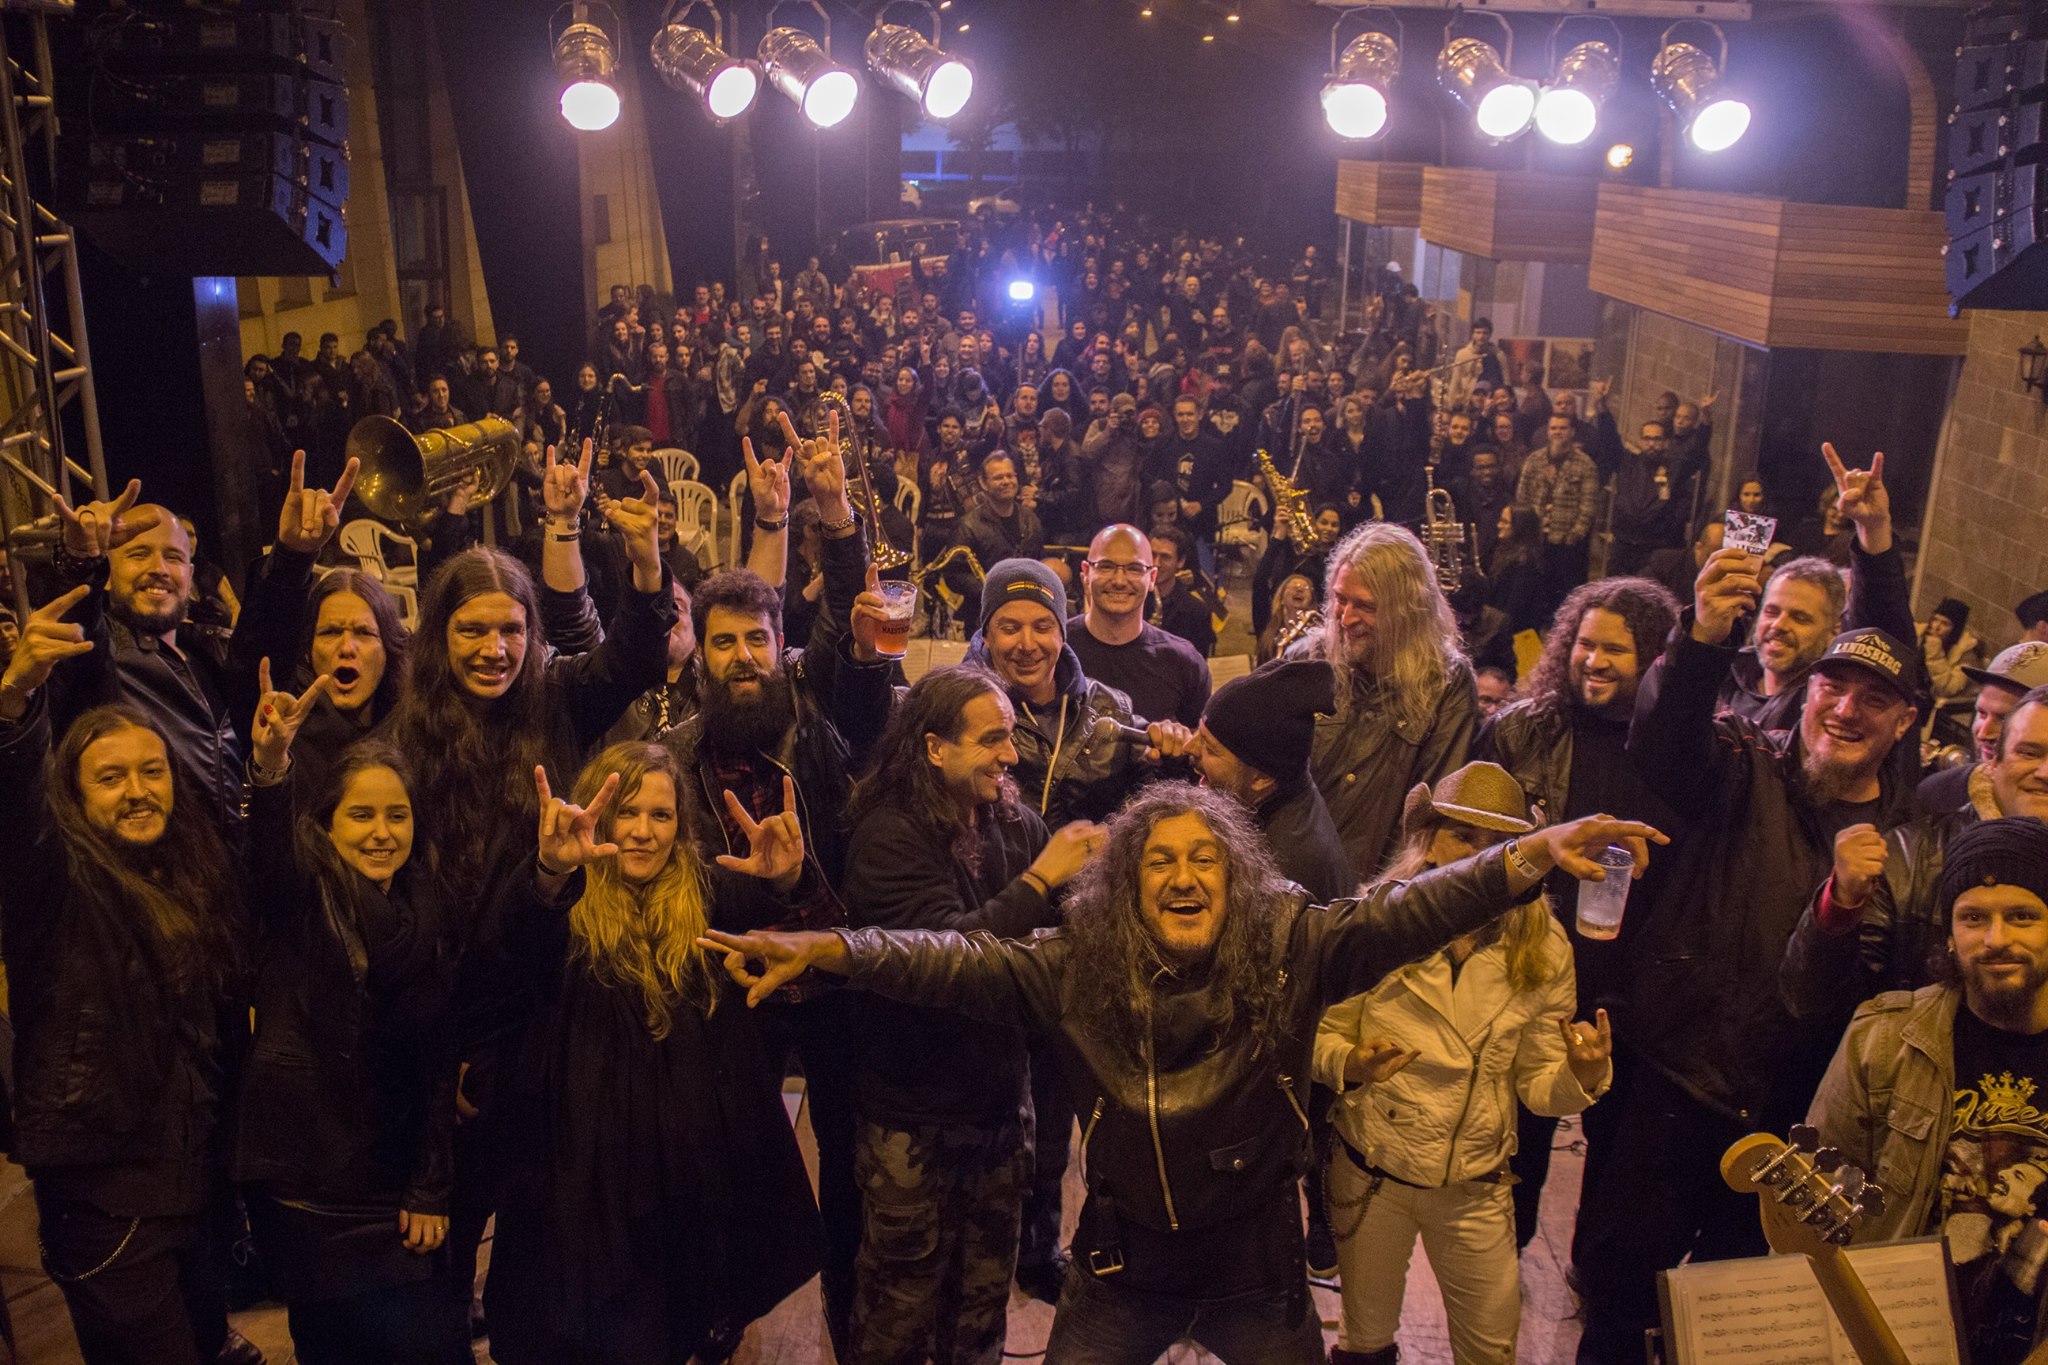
(1449, 1115)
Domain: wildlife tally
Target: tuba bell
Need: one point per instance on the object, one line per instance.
(403, 476)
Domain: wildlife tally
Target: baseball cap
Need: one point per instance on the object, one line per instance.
(2020, 668)
(1870, 651)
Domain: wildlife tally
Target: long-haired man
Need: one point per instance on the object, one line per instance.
(1183, 995)
(1406, 703)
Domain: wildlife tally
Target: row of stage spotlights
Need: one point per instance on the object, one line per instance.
(1564, 109)
(694, 61)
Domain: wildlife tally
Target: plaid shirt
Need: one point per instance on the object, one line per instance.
(758, 784)
(1564, 494)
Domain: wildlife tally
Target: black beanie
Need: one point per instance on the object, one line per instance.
(1955, 609)
(1268, 718)
(1023, 580)
(2008, 852)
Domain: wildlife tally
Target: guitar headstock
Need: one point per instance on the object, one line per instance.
(1809, 1198)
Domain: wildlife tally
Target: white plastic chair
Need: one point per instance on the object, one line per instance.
(1237, 520)
(391, 559)
(677, 465)
(735, 494)
(697, 520)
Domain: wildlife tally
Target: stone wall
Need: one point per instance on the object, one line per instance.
(1647, 353)
(1985, 536)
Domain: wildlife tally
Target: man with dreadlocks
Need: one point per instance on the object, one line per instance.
(1182, 996)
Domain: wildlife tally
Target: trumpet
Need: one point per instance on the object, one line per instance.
(1291, 502)
(404, 476)
(883, 554)
(1450, 543)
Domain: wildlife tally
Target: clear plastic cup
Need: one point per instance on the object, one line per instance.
(1600, 903)
(899, 605)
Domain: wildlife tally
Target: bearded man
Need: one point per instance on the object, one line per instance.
(810, 715)
(137, 562)
(1183, 995)
(1406, 701)
(1710, 1052)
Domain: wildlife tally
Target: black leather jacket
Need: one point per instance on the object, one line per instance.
(206, 727)
(1186, 1129)
(1536, 748)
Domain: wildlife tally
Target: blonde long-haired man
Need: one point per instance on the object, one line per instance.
(1407, 705)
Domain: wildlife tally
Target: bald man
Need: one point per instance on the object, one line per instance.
(1165, 677)
(137, 560)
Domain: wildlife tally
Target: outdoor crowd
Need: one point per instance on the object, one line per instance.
(535, 905)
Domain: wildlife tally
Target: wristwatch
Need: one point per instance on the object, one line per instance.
(1522, 866)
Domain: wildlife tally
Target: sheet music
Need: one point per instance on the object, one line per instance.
(1771, 1308)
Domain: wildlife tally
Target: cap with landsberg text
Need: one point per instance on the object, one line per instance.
(1870, 651)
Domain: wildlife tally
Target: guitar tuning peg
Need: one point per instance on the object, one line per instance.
(1849, 1177)
(1803, 1137)
(1872, 1199)
(1827, 1159)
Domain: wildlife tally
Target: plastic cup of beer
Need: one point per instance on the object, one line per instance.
(899, 604)
(1600, 903)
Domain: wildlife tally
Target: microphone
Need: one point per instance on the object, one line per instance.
(1109, 731)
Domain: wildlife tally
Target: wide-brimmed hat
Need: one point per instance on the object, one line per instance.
(1483, 795)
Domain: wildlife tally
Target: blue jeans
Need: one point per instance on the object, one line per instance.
(1099, 1323)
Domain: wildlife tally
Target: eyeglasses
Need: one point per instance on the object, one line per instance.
(1108, 568)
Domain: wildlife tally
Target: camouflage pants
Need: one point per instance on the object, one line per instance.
(939, 1240)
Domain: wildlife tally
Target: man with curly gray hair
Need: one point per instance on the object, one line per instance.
(1183, 995)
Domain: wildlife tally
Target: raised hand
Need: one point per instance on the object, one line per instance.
(1067, 851)
(1570, 846)
(824, 472)
(565, 486)
(310, 516)
(1860, 493)
(639, 521)
(96, 529)
(866, 622)
(1859, 862)
(768, 480)
(782, 957)
(775, 846)
(1729, 586)
(279, 715)
(568, 833)
(1587, 1048)
(1373, 1060)
(47, 639)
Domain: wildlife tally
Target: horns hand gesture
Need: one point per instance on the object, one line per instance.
(98, 528)
(279, 715)
(47, 639)
(310, 515)
(775, 846)
(568, 833)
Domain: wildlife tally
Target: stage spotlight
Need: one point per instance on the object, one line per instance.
(1689, 80)
(1620, 156)
(1145, 13)
(1502, 104)
(1355, 96)
(802, 70)
(1022, 291)
(585, 59)
(905, 60)
(696, 63)
(1568, 110)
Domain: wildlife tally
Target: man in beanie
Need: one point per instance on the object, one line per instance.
(1940, 1089)
(1254, 742)
(1709, 1051)
(1071, 765)
(1877, 922)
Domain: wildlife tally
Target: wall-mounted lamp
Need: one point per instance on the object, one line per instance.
(2034, 367)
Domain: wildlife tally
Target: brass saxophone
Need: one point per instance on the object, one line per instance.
(884, 555)
(1291, 501)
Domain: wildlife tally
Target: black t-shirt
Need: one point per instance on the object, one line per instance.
(1994, 1185)
(1603, 780)
(1165, 677)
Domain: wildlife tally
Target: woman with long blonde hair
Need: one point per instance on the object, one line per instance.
(1428, 1066)
(654, 1200)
